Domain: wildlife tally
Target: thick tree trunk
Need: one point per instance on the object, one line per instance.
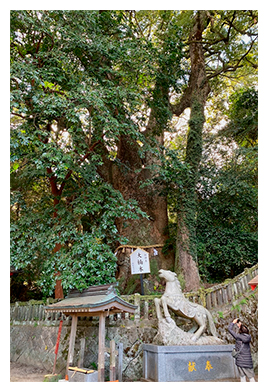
(186, 266)
(142, 232)
(128, 176)
(195, 97)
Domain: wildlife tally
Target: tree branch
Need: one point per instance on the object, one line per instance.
(184, 103)
(19, 115)
(70, 171)
(53, 182)
(229, 68)
(39, 43)
(90, 150)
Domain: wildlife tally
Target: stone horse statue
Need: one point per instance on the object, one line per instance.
(174, 299)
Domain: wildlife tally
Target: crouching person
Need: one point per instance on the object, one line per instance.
(243, 360)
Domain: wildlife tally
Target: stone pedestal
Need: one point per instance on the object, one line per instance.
(76, 376)
(188, 363)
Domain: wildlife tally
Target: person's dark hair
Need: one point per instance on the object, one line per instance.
(243, 329)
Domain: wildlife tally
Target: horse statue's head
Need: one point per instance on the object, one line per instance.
(169, 276)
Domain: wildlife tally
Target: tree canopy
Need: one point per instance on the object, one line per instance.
(97, 159)
(62, 110)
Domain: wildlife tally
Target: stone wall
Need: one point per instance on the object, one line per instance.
(34, 344)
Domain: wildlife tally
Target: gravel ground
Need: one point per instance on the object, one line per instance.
(25, 373)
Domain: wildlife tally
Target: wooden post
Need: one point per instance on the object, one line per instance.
(57, 347)
(82, 353)
(214, 298)
(120, 361)
(112, 360)
(71, 343)
(137, 303)
(141, 280)
(101, 347)
(208, 301)
(146, 310)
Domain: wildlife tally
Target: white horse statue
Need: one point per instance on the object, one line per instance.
(174, 299)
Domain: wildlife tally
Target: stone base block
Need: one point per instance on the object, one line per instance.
(188, 363)
(76, 376)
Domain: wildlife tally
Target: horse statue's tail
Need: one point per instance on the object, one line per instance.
(211, 324)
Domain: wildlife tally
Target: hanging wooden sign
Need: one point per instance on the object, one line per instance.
(139, 260)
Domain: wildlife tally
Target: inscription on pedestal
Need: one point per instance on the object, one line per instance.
(187, 363)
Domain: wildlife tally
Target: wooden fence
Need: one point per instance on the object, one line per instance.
(212, 298)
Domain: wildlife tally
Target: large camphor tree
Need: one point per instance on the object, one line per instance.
(76, 126)
(93, 93)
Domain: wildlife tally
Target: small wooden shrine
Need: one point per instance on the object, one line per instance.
(100, 301)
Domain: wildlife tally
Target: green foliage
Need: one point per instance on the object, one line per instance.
(228, 200)
(167, 52)
(93, 365)
(194, 140)
(243, 117)
(71, 91)
(85, 230)
(132, 284)
(226, 210)
(237, 307)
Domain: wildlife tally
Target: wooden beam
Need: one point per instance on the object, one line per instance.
(112, 307)
(71, 343)
(101, 348)
(89, 314)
